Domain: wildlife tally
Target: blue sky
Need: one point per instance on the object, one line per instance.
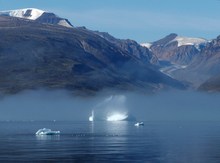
(141, 20)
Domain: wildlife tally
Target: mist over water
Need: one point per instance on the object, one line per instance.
(176, 105)
(169, 133)
(61, 105)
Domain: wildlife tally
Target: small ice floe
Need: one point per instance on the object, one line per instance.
(139, 124)
(45, 131)
(91, 118)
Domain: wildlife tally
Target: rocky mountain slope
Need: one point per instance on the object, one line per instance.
(211, 85)
(204, 66)
(177, 49)
(132, 47)
(40, 55)
(208, 62)
(191, 60)
(47, 53)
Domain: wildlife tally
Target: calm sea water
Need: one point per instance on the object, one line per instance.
(156, 142)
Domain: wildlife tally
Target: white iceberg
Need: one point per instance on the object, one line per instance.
(91, 118)
(45, 131)
(139, 124)
(115, 116)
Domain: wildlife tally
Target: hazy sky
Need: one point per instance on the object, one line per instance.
(141, 20)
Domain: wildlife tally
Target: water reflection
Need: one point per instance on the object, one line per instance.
(47, 137)
(117, 127)
(91, 126)
(107, 128)
(112, 142)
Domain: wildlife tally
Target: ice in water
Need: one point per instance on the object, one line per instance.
(45, 131)
(139, 124)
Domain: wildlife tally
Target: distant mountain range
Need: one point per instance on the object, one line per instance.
(39, 49)
(177, 49)
(193, 60)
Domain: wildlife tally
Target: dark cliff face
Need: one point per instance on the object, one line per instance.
(35, 55)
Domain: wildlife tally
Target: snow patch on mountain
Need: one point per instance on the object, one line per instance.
(146, 45)
(36, 14)
(189, 41)
(27, 13)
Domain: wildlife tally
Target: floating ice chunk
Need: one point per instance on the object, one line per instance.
(91, 118)
(46, 131)
(139, 124)
(112, 117)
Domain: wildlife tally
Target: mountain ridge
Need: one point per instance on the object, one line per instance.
(176, 49)
(168, 62)
(77, 59)
(192, 60)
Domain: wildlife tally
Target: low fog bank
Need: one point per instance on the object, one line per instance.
(176, 105)
(44, 105)
(61, 105)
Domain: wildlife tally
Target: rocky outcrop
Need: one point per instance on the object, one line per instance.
(51, 18)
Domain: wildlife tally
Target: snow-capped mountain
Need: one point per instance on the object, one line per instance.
(189, 59)
(188, 41)
(207, 64)
(37, 15)
(182, 41)
(176, 49)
